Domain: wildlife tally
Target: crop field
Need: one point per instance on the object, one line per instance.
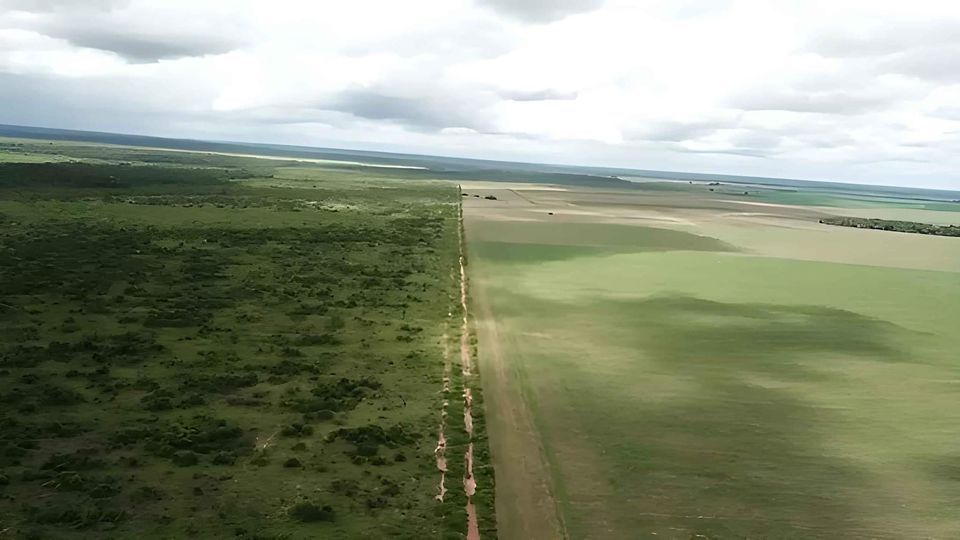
(204, 346)
(681, 364)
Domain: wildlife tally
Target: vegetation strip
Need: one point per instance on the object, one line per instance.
(441, 450)
(469, 479)
(221, 346)
(891, 225)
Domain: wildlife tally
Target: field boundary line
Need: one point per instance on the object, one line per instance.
(526, 503)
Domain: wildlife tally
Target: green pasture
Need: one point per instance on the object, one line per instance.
(701, 392)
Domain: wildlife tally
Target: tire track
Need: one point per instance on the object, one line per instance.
(469, 480)
(440, 452)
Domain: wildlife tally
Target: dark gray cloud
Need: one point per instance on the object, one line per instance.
(676, 131)
(541, 11)
(731, 151)
(829, 102)
(886, 39)
(939, 64)
(925, 50)
(138, 47)
(41, 6)
(424, 113)
(108, 25)
(826, 140)
(757, 140)
(95, 105)
(755, 143)
(537, 95)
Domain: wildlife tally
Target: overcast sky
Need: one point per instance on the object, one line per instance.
(845, 90)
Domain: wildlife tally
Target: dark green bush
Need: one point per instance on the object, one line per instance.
(185, 458)
(308, 512)
(224, 458)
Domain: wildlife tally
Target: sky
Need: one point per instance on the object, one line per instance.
(841, 90)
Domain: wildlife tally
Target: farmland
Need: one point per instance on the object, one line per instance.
(676, 362)
(207, 342)
(198, 345)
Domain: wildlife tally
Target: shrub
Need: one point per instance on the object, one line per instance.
(104, 491)
(158, 400)
(342, 395)
(307, 340)
(368, 449)
(185, 458)
(193, 399)
(224, 458)
(77, 461)
(59, 396)
(345, 487)
(308, 512)
(147, 493)
(296, 430)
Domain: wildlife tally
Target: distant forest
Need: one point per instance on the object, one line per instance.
(890, 225)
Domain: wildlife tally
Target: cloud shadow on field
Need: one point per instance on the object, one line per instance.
(693, 333)
(726, 456)
(537, 242)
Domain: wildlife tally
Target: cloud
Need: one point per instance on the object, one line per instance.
(679, 131)
(885, 38)
(434, 113)
(738, 86)
(138, 47)
(541, 11)
(730, 151)
(948, 113)
(40, 6)
(137, 32)
(834, 102)
(545, 94)
(935, 64)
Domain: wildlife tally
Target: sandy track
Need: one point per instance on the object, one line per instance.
(469, 480)
(441, 450)
(525, 505)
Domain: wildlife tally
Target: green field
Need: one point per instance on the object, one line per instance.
(688, 386)
(204, 346)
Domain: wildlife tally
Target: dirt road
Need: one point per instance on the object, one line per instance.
(526, 509)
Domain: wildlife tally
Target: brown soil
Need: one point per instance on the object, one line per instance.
(469, 481)
(441, 449)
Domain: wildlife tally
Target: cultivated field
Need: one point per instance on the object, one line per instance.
(675, 362)
(227, 347)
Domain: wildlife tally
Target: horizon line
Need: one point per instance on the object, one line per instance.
(399, 155)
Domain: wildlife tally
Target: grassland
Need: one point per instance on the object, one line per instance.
(194, 345)
(687, 366)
